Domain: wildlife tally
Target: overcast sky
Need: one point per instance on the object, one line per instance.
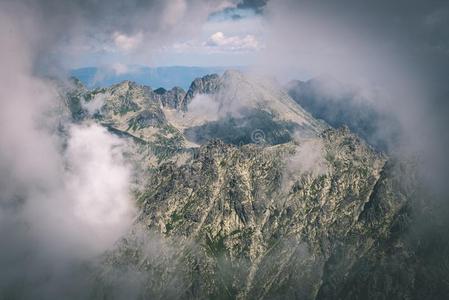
(81, 33)
(228, 33)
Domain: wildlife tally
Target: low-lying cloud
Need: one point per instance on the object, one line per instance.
(309, 158)
(94, 105)
(99, 179)
(65, 188)
(205, 107)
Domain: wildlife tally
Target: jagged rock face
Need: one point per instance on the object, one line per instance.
(276, 218)
(170, 99)
(131, 110)
(246, 223)
(147, 118)
(74, 95)
(206, 85)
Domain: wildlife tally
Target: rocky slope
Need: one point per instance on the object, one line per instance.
(316, 214)
(246, 223)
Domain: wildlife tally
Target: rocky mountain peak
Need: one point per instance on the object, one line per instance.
(235, 105)
(171, 99)
(232, 74)
(160, 91)
(125, 85)
(205, 85)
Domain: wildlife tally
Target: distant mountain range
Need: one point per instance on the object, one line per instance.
(165, 77)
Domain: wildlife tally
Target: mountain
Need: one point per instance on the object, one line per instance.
(166, 77)
(245, 195)
(243, 106)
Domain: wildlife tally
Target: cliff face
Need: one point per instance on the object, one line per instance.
(171, 98)
(319, 215)
(204, 85)
(246, 223)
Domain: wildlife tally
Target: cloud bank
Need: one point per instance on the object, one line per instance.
(65, 188)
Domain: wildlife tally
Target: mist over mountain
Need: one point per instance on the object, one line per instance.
(229, 189)
(241, 193)
(339, 105)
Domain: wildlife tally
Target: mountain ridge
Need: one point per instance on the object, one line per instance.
(288, 213)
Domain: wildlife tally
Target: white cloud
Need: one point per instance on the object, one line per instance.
(100, 179)
(308, 158)
(203, 106)
(127, 42)
(65, 197)
(233, 43)
(95, 104)
(219, 42)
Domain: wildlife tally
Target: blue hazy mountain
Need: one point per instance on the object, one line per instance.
(166, 77)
